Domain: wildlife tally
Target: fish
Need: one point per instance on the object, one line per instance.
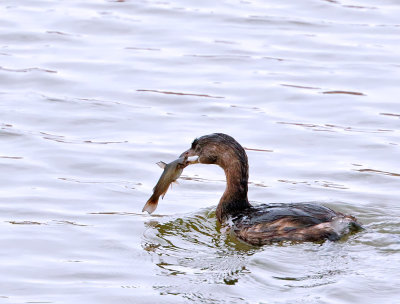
(171, 173)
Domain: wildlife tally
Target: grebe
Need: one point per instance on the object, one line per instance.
(263, 224)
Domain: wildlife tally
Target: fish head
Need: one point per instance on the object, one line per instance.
(176, 167)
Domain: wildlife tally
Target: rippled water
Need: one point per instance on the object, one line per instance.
(94, 93)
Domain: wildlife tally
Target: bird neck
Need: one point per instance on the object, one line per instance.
(234, 199)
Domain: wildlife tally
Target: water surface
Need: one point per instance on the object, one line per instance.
(94, 93)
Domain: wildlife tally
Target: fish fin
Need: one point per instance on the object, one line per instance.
(173, 182)
(161, 164)
(163, 194)
(151, 205)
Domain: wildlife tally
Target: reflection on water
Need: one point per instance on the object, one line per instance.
(197, 255)
(94, 93)
(196, 252)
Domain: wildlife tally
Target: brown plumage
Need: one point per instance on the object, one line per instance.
(263, 224)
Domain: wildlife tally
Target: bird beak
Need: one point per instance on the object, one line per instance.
(191, 157)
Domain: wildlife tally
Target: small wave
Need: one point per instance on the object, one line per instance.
(179, 93)
(196, 244)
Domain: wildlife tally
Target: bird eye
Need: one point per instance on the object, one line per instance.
(213, 158)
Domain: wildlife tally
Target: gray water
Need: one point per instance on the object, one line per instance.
(94, 93)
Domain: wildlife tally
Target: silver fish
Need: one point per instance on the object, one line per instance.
(171, 173)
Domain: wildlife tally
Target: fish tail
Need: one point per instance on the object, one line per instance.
(151, 204)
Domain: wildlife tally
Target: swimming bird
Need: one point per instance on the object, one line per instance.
(265, 223)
